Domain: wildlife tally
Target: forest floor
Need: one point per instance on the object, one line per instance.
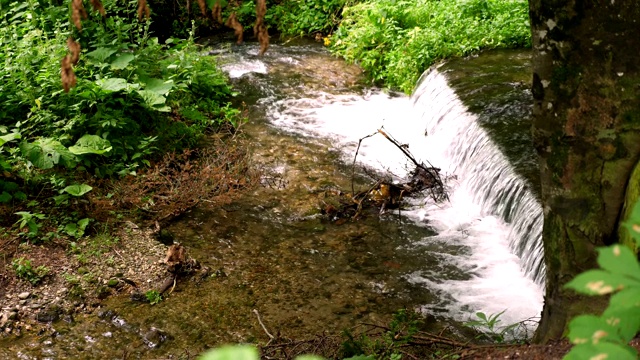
(44, 279)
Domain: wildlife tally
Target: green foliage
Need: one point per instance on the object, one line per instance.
(608, 335)
(25, 271)
(396, 40)
(248, 352)
(296, 18)
(153, 297)
(490, 328)
(30, 221)
(402, 328)
(136, 98)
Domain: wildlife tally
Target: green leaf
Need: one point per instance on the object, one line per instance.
(619, 259)
(481, 315)
(625, 320)
(591, 329)
(91, 144)
(158, 86)
(71, 229)
(309, 357)
(82, 223)
(151, 98)
(600, 282)
(231, 352)
(602, 350)
(633, 223)
(101, 54)
(122, 61)
(9, 137)
(19, 195)
(116, 84)
(45, 153)
(77, 190)
(626, 298)
(5, 197)
(154, 100)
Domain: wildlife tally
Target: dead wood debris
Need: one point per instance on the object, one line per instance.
(384, 193)
(416, 346)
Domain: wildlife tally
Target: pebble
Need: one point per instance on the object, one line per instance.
(24, 295)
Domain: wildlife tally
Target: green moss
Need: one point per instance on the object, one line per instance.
(632, 195)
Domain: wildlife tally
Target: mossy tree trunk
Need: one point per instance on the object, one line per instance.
(586, 127)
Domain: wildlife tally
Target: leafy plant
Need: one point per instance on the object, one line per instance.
(490, 328)
(608, 335)
(153, 297)
(296, 18)
(25, 271)
(396, 40)
(401, 329)
(77, 229)
(30, 221)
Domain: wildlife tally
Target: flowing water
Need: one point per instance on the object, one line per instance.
(273, 253)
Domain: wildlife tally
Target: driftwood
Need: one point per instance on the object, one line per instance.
(384, 193)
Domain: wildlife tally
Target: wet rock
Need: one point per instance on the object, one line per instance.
(165, 237)
(102, 292)
(154, 337)
(106, 314)
(49, 314)
(138, 296)
(24, 295)
(4, 318)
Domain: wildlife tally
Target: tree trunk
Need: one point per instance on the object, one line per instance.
(586, 128)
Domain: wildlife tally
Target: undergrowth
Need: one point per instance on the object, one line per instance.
(395, 41)
(135, 100)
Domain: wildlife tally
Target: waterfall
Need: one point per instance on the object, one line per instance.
(484, 251)
(487, 173)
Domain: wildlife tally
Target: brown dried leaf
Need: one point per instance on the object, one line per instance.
(97, 6)
(74, 49)
(78, 13)
(216, 12)
(203, 7)
(261, 11)
(233, 23)
(263, 38)
(143, 9)
(66, 74)
(260, 29)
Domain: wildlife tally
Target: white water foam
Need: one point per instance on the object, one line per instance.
(457, 145)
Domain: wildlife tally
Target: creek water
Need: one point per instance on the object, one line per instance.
(305, 274)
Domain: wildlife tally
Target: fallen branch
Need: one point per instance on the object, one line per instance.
(263, 327)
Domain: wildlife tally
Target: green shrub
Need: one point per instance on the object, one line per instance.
(395, 41)
(297, 18)
(25, 271)
(135, 98)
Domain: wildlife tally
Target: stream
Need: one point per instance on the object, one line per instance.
(272, 251)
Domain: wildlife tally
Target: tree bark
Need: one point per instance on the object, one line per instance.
(586, 129)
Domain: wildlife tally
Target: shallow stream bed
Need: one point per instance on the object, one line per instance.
(271, 251)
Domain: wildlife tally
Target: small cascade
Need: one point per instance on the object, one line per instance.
(487, 173)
